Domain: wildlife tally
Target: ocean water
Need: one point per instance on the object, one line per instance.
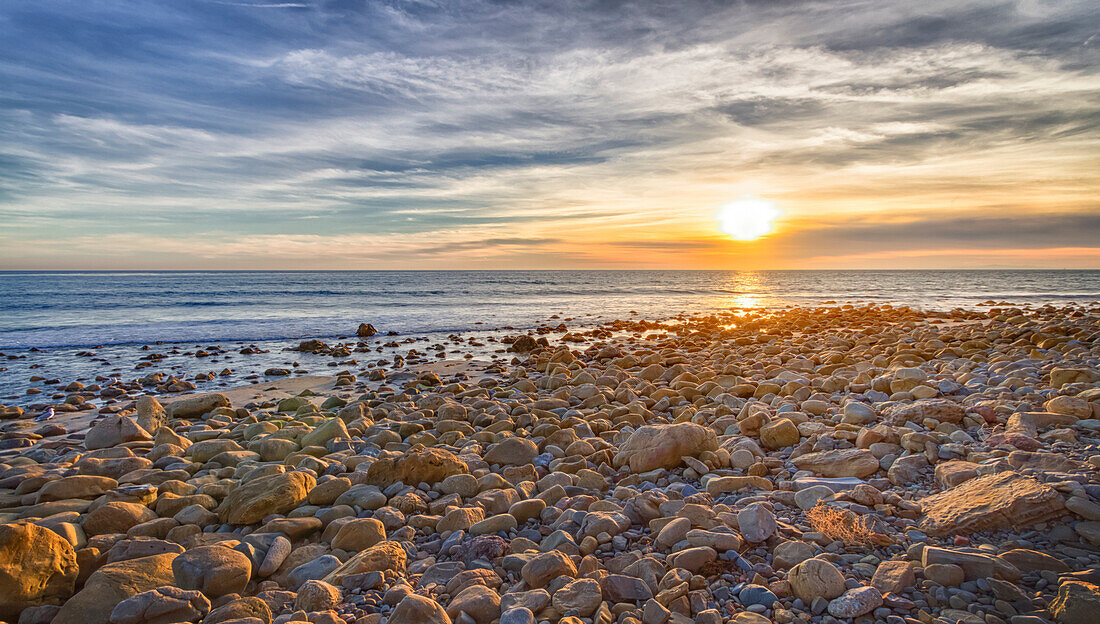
(83, 309)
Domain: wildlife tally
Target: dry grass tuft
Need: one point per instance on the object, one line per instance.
(845, 526)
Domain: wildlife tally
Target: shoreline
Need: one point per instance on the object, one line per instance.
(747, 467)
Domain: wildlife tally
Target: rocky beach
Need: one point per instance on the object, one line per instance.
(839, 463)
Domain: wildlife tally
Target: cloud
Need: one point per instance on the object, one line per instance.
(606, 125)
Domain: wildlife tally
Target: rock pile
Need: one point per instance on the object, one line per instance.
(840, 464)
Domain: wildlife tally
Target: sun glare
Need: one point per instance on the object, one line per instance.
(747, 219)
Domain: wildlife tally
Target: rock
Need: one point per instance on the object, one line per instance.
(163, 605)
(816, 578)
(547, 566)
(1031, 560)
(996, 501)
(317, 596)
(756, 522)
(258, 498)
(150, 415)
(1077, 602)
(192, 406)
(941, 410)
(952, 473)
(780, 433)
(662, 446)
(37, 567)
(791, 553)
(214, 570)
(114, 430)
(414, 609)
(313, 570)
(580, 598)
(855, 602)
(430, 465)
(382, 557)
(116, 517)
(250, 610)
(512, 452)
(807, 498)
(359, 534)
(366, 330)
(621, 588)
(76, 486)
(478, 602)
(757, 595)
(1070, 405)
(893, 576)
(692, 559)
(328, 430)
(839, 463)
(908, 469)
(1063, 375)
(113, 583)
(946, 574)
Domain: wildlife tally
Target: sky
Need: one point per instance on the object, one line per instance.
(354, 134)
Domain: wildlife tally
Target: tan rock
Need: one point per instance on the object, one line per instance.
(997, 501)
(382, 557)
(662, 446)
(76, 486)
(894, 576)
(116, 517)
(839, 463)
(115, 430)
(430, 466)
(1077, 602)
(359, 534)
(779, 433)
(150, 414)
(545, 567)
(113, 583)
(214, 570)
(37, 567)
(258, 498)
(816, 578)
(415, 609)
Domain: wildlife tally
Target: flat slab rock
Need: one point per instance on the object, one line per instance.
(997, 501)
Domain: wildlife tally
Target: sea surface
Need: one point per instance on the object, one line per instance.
(95, 327)
(40, 309)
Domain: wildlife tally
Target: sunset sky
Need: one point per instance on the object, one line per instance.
(350, 134)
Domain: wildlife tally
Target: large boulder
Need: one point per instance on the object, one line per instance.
(663, 446)
(382, 557)
(256, 499)
(512, 452)
(150, 414)
(851, 462)
(196, 405)
(37, 567)
(941, 410)
(816, 578)
(163, 605)
(414, 609)
(113, 583)
(1077, 602)
(991, 502)
(114, 430)
(430, 465)
(214, 570)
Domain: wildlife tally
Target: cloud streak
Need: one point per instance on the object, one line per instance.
(441, 130)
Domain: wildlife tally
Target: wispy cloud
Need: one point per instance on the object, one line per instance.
(440, 131)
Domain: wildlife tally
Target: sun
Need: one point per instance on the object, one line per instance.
(747, 219)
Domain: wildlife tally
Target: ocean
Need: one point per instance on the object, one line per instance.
(84, 325)
(39, 309)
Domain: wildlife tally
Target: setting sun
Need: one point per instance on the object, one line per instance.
(747, 219)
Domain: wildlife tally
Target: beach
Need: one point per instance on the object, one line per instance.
(805, 464)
